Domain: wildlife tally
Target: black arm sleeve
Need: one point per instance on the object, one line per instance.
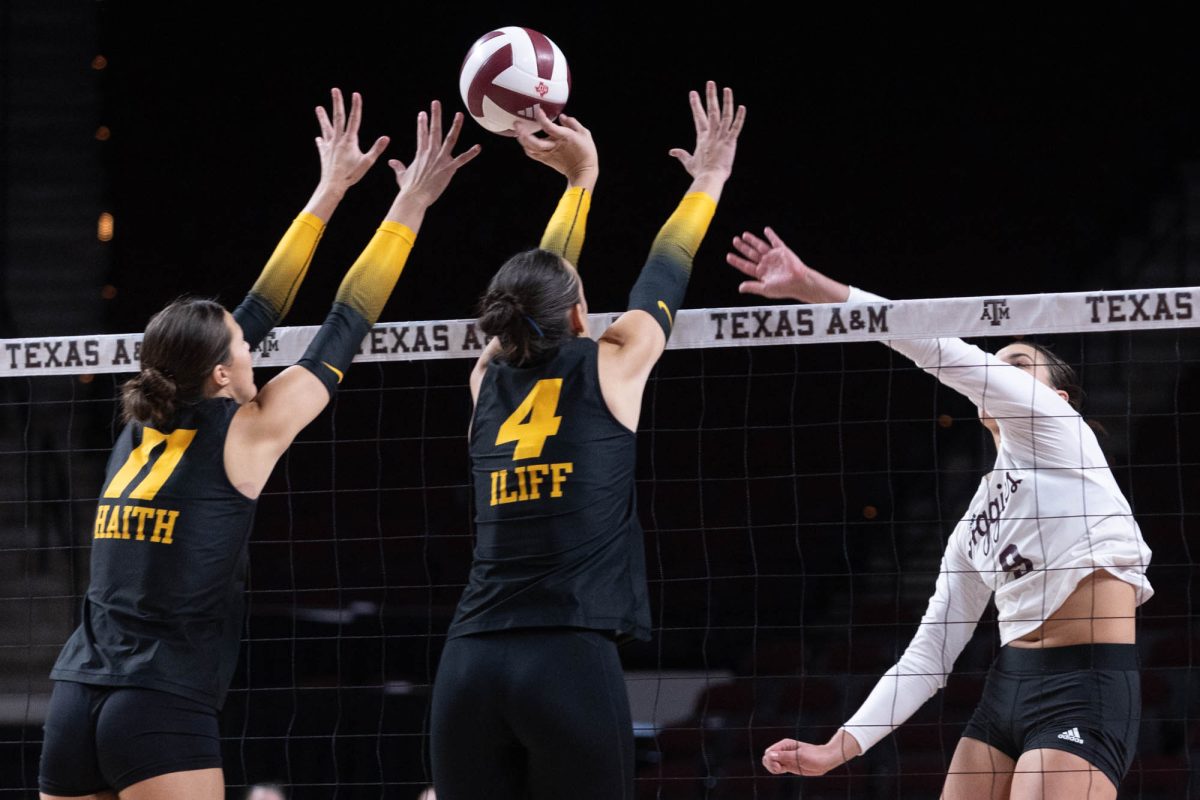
(336, 343)
(660, 289)
(257, 318)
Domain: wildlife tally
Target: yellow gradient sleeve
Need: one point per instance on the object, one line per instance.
(660, 289)
(679, 239)
(565, 231)
(369, 282)
(285, 270)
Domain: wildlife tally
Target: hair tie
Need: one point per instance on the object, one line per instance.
(534, 325)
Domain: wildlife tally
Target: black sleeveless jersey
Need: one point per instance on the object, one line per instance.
(164, 608)
(558, 542)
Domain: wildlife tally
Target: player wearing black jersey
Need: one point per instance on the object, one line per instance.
(139, 683)
(529, 699)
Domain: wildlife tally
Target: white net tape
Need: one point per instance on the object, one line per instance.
(1012, 315)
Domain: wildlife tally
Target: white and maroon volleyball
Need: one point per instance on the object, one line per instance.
(508, 73)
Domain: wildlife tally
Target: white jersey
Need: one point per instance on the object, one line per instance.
(1047, 516)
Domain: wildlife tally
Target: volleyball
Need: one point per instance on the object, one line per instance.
(508, 73)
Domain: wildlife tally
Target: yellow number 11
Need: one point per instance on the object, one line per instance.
(534, 421)
(177, 442)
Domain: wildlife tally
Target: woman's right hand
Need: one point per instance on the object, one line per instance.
(718, 126)
(779, 273)
(424, 179)
(802, 758)
(566, 148)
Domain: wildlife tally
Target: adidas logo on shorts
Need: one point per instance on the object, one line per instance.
(1072, 736)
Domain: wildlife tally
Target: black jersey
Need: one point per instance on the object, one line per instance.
(558, 542)
(164, 608)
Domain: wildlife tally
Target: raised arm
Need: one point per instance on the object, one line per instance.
(342, 165)
(953, 612)
(568, 149)
(266, 426)
(1011, 395)
(632, 345)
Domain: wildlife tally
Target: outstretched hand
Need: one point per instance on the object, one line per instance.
(777, 271)
(342, 162)
(717, 129)
(424, 179)
(566, 148)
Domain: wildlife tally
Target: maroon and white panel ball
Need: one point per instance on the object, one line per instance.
(510, 72)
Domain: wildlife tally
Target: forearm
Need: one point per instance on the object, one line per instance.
(408, 211)
(1004, 390)
(895, 698)
(711, 183)
(958, 601)
(660, 289)
(814, 287)
(271, 297)
(359, 302)
(568, 225)
(927, 354)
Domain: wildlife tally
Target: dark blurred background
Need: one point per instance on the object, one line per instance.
(796, 500)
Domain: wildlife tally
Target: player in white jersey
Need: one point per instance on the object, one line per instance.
(1050, 536)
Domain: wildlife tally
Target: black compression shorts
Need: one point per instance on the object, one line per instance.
(535, 713)
(1084, 699)
(102, 738)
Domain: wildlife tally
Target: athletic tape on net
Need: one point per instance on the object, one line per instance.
(965, 317)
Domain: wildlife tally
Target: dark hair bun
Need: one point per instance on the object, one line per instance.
(150, 396)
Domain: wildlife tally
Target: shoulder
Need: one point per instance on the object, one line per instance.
(216, 411)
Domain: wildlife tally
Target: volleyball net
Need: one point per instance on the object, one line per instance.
(796, 502)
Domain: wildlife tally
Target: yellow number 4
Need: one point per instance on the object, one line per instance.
(177, 442)
(538, 407)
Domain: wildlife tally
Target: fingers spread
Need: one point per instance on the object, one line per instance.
(323, 121)
(435, 123)
(467, 155)
(339, 111)
(452, 136)
(738, 121)
(377, 149)
(697, 112)
(422, 132)
(755, 242)
(746, 249)
(714, 108)
(355, 114)
(741, 264)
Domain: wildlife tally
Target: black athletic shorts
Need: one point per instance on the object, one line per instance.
(106, 738)
(533, 713)
(1084, 699)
